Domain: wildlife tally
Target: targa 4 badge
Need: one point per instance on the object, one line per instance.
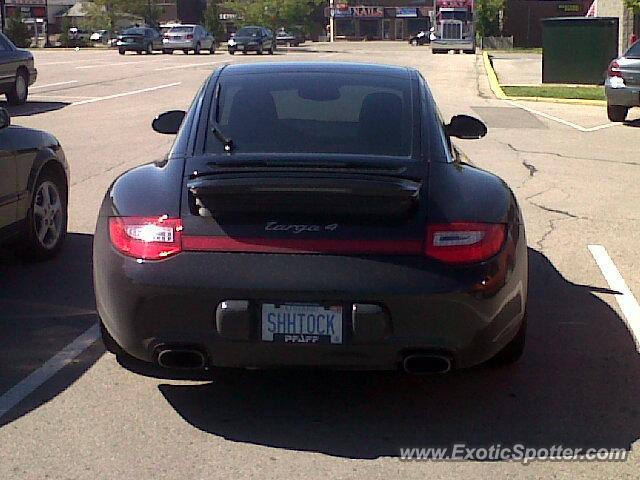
(296, 229)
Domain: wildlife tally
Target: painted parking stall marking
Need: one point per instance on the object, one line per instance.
(52, 366)
(625, 298)
(125, 94)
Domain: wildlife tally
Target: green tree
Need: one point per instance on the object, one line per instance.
(18, 32)
(488, 17)
(112, 10)
(212, 19)
(633, 4)
(276, 13)
(64, 33)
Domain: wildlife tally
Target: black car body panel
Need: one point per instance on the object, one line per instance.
(465, 312)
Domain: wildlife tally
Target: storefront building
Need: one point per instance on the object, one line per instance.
(386, 20)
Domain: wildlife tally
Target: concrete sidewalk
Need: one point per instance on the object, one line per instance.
(518, 68)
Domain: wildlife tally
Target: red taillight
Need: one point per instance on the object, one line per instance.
(166, 36)
(461, 243)
(146, 238)
(189, 37)
(614, 69)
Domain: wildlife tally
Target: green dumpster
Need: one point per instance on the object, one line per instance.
(578, 49)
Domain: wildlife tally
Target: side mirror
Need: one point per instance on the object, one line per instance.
(5, 118)
(466, 127)
(169, 122)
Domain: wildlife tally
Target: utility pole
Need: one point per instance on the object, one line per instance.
(2, 11)
(46, 23)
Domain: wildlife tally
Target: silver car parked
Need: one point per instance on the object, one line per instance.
(188, 38)
(623, 84)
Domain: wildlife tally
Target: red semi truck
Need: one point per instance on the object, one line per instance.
(454, 26)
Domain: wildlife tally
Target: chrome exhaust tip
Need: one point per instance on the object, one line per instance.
(181, 358)
(425, 364)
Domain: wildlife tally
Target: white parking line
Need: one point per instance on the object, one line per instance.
(190, 65)
(118, 64)
(626, 300)
(52, 366)
(562, 121)
(54, 84)
(125, 94)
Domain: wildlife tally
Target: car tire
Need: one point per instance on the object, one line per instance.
(197, 49)
(244, 52)
(260, 50)
(20, 90)
(512, 352)
(122, 51)
(149, 49)
(185, 51)
(232, 52)
(617, 113)
(46, 222)
(167, 52)
(212, 50)
(469, 52)
(271, 50)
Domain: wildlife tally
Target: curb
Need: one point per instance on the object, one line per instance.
(499, 92)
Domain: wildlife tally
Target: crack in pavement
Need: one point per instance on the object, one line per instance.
(570, 157)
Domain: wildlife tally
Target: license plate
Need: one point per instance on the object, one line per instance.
(301, 323)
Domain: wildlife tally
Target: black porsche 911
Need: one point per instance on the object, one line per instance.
(312, 215)
(34, 179)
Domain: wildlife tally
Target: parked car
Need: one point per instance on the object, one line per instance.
(188, 38)
(252, 39)
(17, 72)
(34, 179)
(622, 86)
(139, 39)
(319, 224)
(101, 36)
(291, 38)
(79, 34)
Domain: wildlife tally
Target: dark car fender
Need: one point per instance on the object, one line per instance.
(40, 148)
(148, 190)
(459, 192)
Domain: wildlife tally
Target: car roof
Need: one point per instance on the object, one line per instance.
(317, 67)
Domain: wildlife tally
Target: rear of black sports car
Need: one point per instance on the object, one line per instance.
(312, 215)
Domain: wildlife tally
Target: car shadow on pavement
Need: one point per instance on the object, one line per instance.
(44, 307)
(33, 108)
(577, 385)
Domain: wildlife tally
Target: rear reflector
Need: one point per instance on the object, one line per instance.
(146, 238)
(462, 243)
(269, 245)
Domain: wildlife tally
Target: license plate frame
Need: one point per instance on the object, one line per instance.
(302, 323)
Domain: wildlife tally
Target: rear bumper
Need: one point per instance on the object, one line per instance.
(132, 47)
(173, 303)
(244, 48)
(178, 45)
(626, 96)
(441, 44)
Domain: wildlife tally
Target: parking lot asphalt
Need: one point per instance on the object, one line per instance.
(577, 385)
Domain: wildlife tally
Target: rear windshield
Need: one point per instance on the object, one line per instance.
(634, 51)
(315, 113)
(181, 30)
(134, 31)
(248, 32)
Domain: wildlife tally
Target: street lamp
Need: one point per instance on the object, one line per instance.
(332, 21)
(2, 10)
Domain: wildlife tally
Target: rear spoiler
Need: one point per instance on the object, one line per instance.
(301, 193)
